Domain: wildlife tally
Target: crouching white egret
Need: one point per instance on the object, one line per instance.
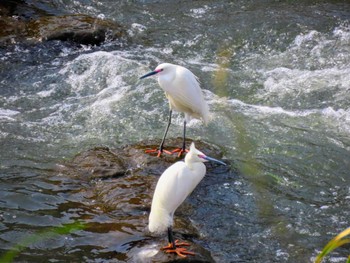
(173, 186)
(184, 94)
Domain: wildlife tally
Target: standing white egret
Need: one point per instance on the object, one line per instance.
(184, 94)
(174, 185)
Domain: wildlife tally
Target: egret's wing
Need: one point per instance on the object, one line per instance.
(186, 94)
(173, 187)
(186, 182)
(188, 90)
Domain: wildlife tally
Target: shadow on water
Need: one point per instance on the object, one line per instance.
(248, 166)
(267, 187)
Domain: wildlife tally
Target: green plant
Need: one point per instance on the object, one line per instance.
(336, 242)
(41, 235)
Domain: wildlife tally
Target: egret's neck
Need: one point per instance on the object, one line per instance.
(198, 171)
(165, 81)
(194, 165)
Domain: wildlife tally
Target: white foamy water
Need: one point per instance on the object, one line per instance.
(280, 114)
(331, 86)
(8, 115)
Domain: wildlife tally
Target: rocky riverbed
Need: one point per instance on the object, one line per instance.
(21, 22)
(121, 182)
(276, 77)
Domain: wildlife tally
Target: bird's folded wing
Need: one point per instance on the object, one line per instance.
(187, 95)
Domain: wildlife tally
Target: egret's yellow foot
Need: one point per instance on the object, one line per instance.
(177, 243)
(180, 151)
(158, 151)
(180, 251)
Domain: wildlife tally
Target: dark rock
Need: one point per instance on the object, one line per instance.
(121, 182)
(80, 29)
(20, 22)
(102, 162)
(21, 9)
(99, 162)
(11, 30)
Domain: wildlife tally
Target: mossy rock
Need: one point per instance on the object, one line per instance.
(80, 29)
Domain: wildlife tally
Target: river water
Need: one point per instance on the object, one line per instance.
(277, 78)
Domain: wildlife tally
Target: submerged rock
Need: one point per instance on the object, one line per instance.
(121, 182)
(103, 162)
(81, 29)
(20, 22)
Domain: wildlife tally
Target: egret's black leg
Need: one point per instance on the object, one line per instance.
(184, 138)
(183, 148)
(166, 131)
(171, 237)
(160, 149)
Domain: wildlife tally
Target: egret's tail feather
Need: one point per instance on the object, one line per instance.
(159, 220)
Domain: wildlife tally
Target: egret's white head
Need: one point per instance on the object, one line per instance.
(162, 69)
(195, 155)
(165, 68)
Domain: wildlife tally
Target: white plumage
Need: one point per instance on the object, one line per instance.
(173, 187)
(184, 94)
(183, 91)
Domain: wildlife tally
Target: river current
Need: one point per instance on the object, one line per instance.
(276, 76)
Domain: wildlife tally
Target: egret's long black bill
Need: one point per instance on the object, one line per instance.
(149, 74)
(213, 160)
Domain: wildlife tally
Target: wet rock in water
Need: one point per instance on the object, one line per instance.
(99, 162)
(11, 30)
(121, 182)
(21, 9)
(103, 162)
(20, 22)
(81, 29)
(11, 26)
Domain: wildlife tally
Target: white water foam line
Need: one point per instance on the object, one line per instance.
(7, 115)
